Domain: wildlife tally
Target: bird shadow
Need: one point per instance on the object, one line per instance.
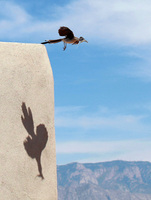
(35, 142)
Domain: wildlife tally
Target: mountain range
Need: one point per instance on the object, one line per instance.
(115, 180)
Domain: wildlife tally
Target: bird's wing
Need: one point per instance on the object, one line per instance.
(65, 31)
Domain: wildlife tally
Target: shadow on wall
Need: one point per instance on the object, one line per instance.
(35, 142)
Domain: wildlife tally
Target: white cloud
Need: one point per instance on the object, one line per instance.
(16, 23)
(126, 22)
(88, 122)
(123, 22)
(67, 109)
(14, 12)
(108, 150)
(103, 119)
(141, 68)
(141, 71)
(12, 18)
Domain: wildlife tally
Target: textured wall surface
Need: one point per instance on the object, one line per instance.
(27, 135)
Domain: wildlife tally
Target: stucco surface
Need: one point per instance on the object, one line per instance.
(27, 135)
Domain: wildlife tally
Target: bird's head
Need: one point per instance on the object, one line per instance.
(81, 39)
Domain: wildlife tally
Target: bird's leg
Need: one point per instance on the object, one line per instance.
(65, 46)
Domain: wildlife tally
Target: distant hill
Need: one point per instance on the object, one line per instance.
(116, 180)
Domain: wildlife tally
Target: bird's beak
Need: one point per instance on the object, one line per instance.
(83, 41)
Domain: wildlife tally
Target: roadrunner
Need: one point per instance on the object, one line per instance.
(69, 38)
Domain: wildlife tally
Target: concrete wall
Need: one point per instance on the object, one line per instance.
(27, 135)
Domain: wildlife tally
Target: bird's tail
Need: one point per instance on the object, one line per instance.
(52, 41)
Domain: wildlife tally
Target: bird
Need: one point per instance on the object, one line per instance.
(68, 39)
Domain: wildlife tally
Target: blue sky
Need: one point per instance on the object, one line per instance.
(102, 89)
